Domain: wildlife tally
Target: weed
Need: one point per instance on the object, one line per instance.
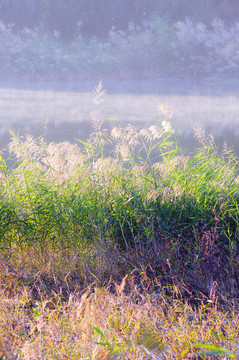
(128, 204)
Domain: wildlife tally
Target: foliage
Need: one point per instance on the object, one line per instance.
(90, 18)
(127, 204)
(156, 49)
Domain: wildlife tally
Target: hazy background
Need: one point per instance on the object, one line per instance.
(180, 52)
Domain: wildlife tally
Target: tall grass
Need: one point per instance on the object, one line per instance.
(128, 203)
(127, 188)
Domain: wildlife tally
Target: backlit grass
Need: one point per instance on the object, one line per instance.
(128, 204)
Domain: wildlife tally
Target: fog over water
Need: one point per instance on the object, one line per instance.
(65, 110)
(50, 49)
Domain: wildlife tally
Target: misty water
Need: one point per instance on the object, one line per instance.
(63, 111)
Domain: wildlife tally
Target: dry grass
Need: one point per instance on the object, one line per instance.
(121, 248)
(117, 321)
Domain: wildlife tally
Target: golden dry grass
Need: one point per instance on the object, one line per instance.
(117, 321)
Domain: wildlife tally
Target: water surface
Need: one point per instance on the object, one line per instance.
(64, 111)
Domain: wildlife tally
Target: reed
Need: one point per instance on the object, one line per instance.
(127, 204)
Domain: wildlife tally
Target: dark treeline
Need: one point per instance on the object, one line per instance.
(96, 17)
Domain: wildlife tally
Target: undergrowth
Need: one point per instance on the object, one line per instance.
(127, 204)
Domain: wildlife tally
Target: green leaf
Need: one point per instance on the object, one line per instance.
(215, 350)
(86, 144)
(106, 343)
(101, 343)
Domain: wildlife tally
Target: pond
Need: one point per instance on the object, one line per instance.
(64, 111)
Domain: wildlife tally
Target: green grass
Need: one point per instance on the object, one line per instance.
(129, 203)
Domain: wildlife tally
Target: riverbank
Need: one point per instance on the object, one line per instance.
(157, 49)
(125, 221)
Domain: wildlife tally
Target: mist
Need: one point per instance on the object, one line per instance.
(119, 229)
(54, 53)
